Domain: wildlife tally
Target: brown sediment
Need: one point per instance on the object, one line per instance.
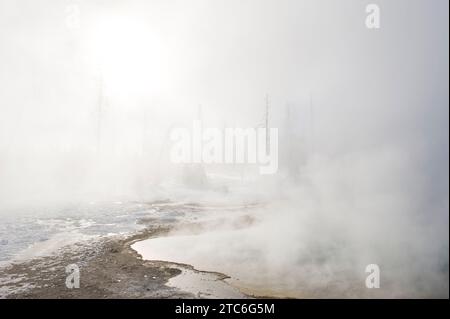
(109, 268)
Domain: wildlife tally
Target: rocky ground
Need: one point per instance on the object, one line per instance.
(109, 268)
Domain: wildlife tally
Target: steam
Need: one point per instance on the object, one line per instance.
(86, 114)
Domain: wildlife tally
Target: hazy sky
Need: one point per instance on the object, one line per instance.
(160, 60)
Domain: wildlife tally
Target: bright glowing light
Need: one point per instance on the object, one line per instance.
(127, 54)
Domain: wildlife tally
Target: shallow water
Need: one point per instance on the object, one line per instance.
(203, 284)
(41, 231)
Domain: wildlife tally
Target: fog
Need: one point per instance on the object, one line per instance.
(91, 89)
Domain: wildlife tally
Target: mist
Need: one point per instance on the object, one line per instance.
(90, 91)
